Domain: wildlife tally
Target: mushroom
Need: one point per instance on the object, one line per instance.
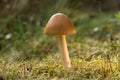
(60, 25)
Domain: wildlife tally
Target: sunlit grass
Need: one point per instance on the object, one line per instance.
(50, 67)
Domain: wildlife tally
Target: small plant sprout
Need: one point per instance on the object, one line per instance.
(60, 25)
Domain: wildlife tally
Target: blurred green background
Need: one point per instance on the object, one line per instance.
(22, 22)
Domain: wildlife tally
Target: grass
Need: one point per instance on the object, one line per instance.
(31, 55)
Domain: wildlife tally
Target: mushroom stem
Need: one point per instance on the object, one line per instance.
(64, 52)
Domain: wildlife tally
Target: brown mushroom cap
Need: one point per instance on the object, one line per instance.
(59, 24)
